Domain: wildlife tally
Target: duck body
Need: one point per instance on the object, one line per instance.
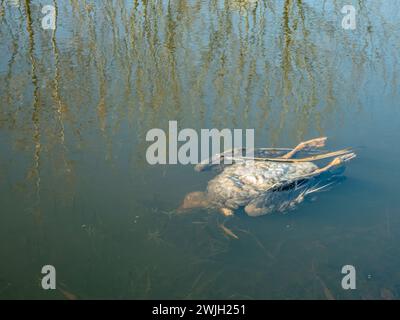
(271, 181)
(249, 183)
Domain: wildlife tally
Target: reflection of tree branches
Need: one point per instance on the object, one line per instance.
(36, 167)
(205, 63)
(61, 108)
(8, 79)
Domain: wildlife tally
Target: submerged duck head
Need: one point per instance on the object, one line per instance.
(192, 200)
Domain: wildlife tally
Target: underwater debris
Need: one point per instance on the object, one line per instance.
(228, 231)
(327, 292)
(199, 222)
(169, 213)
(259, 244)
(194, 285)
(387, 294)
(154, 236)
(67, 295)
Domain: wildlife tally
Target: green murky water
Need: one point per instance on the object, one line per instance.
(76, 191)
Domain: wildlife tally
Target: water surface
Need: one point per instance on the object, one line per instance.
(76, 103)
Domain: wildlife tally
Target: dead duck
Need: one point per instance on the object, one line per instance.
(267, 184)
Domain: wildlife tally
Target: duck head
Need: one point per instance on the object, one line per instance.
(197, 199)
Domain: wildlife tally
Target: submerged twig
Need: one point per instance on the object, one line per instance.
(67, 295)
(327, 292)
(228, 231)
(258, 242)
(306, 159)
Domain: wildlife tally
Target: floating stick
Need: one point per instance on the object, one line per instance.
(306, 159)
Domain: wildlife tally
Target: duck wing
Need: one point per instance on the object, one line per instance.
(288, 196)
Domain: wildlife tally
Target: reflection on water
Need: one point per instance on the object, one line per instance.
(75, 105)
